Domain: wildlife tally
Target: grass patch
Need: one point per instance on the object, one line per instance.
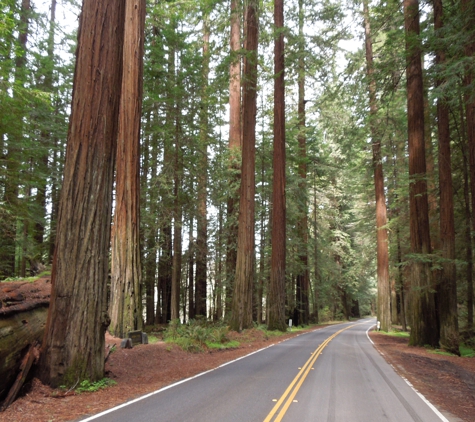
(222, 346)
(27, 279)
(153, 339)
(466, 351)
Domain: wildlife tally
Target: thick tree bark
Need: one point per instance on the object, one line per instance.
(276, 319)
(73, 346)
(423, 319)
(241, 316)
(126, 269)
(447, 289)
(384, 296)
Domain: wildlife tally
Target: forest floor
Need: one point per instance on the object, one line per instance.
(446, 381)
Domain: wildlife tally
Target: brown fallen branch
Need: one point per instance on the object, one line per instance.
(25, 367)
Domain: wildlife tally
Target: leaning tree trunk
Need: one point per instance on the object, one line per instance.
(126, 271)
(73, 347)
(241, 316)
(276, 319)
(423, 319)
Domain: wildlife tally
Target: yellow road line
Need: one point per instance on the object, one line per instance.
(298, 380)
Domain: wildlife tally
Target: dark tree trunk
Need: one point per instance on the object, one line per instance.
(276, 320)
(424, 329)
(468, 11)
(73, 346)
(447, 289)
(241, 316)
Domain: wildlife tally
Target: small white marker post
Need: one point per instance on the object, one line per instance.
(378, 325)
(290, 324)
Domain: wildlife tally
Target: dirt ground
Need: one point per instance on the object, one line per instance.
(447, 381)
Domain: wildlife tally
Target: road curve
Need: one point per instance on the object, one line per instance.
(332, 374)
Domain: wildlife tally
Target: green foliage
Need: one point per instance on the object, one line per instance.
(87, 386)
(197, 335)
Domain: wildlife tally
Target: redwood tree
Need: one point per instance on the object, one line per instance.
(73, 346)
(126, 271)
(423, 319)
(242, 295)
(276, 317)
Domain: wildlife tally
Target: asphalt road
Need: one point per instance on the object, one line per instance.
(333, 374)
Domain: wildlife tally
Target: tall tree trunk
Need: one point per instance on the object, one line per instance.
(241, 316)
(235, 143)
(276, 319)
(468, 218)
(73, 346)
(177, 223)
(384, 297)
(126, 269)
(303, 278)
(447, 289)
(468, 11)
(423, 319)
(202, 220)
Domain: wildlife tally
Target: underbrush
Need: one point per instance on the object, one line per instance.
(198, 335)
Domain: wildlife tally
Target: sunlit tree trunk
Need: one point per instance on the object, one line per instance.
(241, 312)
(384, 296)
(276, 320)
(126, 269)
(74, 342)
(423, 319)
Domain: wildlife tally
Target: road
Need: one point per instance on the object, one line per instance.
(333, 374)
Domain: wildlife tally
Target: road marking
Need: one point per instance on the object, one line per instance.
(297, 382)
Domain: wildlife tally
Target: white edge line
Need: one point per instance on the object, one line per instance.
(434, 409)
(120, 406)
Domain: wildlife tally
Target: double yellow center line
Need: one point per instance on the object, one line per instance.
(295, 385)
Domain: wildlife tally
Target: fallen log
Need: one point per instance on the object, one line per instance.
(23, 312)
(27, 362)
